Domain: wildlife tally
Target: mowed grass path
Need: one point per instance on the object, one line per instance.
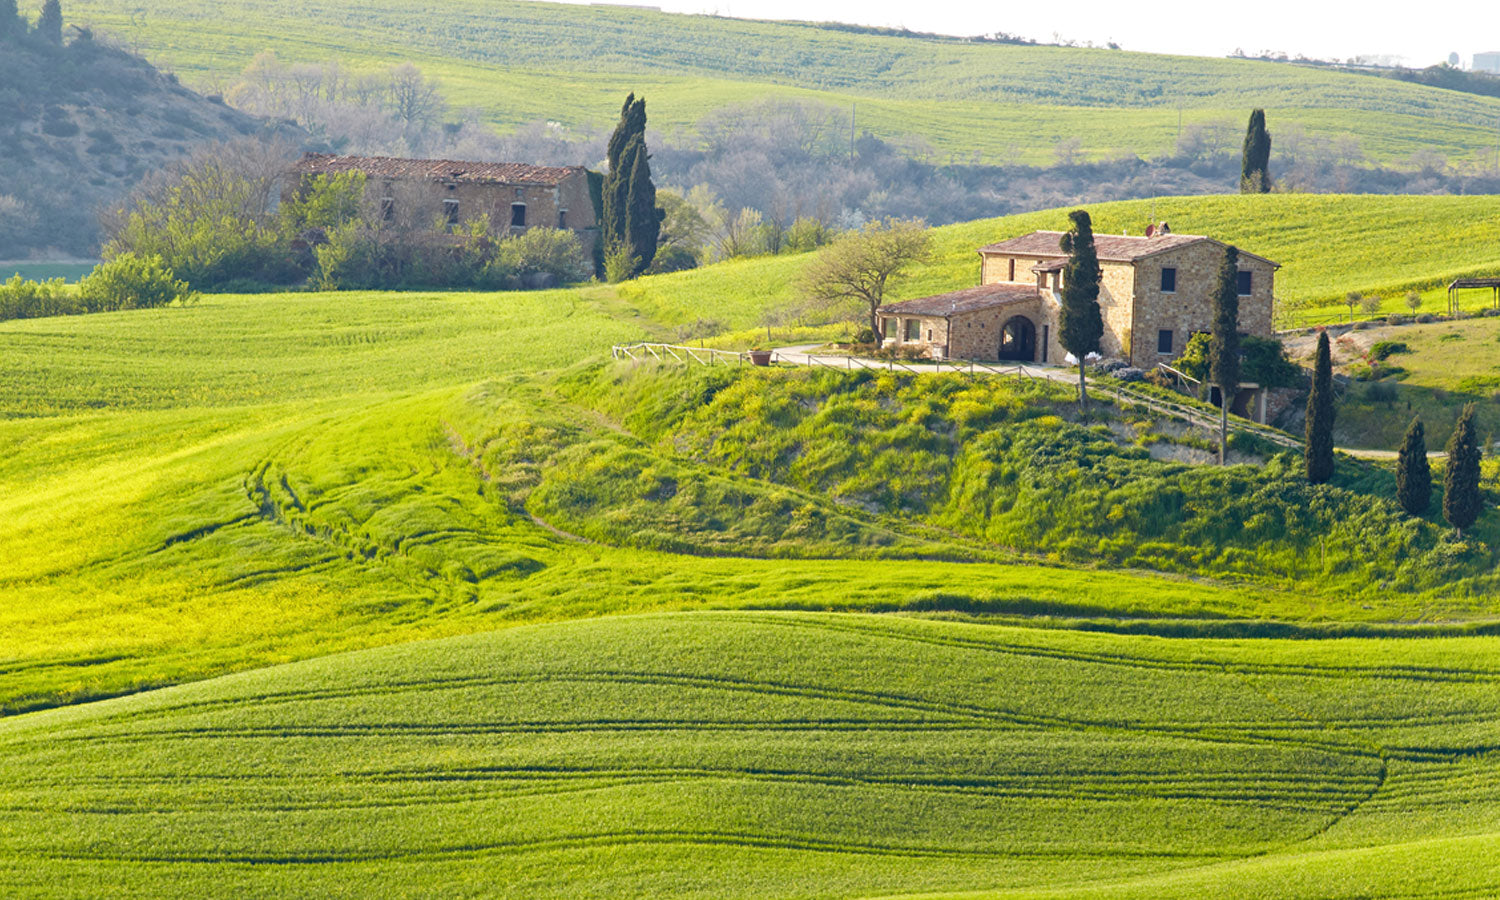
(778, 755)
(523, 61)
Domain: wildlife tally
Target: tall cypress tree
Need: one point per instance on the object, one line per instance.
(642, 218)
(49, 26)
(1080, 324)
(1413, 474)
(1255, 164)
(1462, 501)
(632, 125)
(1318, 454)
(1224, 361)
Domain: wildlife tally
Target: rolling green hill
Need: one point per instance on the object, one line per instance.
(1327, 245)
(1095, 672)
(523, 61)
(778, 755)
(263, 478)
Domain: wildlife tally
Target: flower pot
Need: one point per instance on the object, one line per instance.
(760, 357)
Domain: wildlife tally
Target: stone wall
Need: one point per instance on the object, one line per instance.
(1191, 307)
(1117, 286)
(976, 335)
(995, 269)
(933, 332)
(567, 205)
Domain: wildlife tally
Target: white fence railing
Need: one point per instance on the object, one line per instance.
(706, 356)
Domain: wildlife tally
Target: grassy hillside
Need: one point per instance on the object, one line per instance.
(1099, 672)
(263, 478)
(1327, 245)
(1443, 367)
(522, 61)
(80, 125)
(765, 755)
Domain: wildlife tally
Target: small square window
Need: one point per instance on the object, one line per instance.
(1168, 280)
(1164, 341)
(1246, 283)
(518, 215)
(913, 329)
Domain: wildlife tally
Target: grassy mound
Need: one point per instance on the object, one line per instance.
(997, 460)
(522, 62)
(758, 755)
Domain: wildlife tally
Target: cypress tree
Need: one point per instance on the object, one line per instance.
(1224, 361)
(1318, 454)
(1462, 501)
(1080, 324)
(49, 26)
(10, 19)
(617, 197)
(642, 218)
(1413, 474)
(1255, 164)
(632, 125)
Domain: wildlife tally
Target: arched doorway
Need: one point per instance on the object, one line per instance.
(1018, 340)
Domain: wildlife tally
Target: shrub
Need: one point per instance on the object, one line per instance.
(864, 336)
(1380, 392)
(325, 201)
(806, 234)
(549, 251)
(347, 260)
(619, 265)
(21, 299)
(132, 282)
(1394, 319)
(1128, 374)
(1426, 319)
(1161, 379)
(672, 258)
(1386, 349)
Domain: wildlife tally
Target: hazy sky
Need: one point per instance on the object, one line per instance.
(1422, 33)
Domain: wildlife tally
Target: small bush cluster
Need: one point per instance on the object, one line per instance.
(126, 282)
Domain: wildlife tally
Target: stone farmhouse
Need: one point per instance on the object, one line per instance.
(1155, 292)
(445, 193)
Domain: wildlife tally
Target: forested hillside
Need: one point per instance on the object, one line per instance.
(81, 121)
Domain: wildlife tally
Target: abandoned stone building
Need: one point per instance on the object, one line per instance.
(1155, 293)
(446, 193)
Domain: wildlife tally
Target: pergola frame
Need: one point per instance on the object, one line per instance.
(1463, 284)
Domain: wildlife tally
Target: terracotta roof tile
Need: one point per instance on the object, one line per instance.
(964, 301)
(1110, 247)
(435, 169)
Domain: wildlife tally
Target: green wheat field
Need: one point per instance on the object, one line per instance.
(422, 595)
(520, 62)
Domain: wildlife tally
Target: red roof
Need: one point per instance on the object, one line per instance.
(1109, 247)
(435, 169)
(965, 301)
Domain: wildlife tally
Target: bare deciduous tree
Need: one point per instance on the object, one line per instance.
(414, 99)
(856, 269)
